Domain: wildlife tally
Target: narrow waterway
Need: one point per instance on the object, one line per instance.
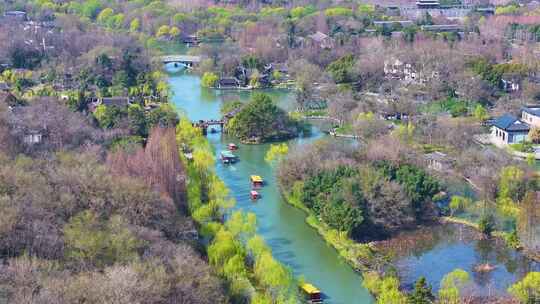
(283, 227)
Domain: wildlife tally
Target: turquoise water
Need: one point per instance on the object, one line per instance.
(283, 227)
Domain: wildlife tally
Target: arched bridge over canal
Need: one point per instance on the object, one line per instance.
(186, 60)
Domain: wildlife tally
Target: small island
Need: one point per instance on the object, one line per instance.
(260, 120)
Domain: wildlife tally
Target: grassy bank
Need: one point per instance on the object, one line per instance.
(239, 255)
(455, 220)
(499, 234)
(362, 257)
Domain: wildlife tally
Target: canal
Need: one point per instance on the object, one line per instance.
(283, 227)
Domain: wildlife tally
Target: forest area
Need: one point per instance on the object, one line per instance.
(111, 194)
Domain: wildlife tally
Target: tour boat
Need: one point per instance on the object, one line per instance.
(256, 181)
(227, 157)
(311, 293)
(254, 195)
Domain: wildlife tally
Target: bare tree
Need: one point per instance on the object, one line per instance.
(158, 164)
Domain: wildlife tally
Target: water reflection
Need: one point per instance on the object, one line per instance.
(433, 252)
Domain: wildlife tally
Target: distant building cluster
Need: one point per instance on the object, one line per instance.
(35, 33)
(434, 8)
(406, 72)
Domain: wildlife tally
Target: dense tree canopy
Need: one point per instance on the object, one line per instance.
(365, 199)
(261, 120)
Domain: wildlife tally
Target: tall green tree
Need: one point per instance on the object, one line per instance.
(341, 69)
(262, 120)
(137, 120)
(422, 293)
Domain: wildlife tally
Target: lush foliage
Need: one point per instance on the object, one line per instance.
(325, 196)
(364, 201)
(528, 289)
(276, 153)
(419, 185)
(341, 69)
(239, 255)
(451, 286)
(422, 293)
(385, 288)
(209, 80)
(261, 120)
(338, 11)
(459, 204)
(493, 73)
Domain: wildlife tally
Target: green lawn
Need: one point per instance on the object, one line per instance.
(347, 128)
(456, 107)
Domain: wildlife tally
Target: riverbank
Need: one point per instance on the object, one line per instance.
(374, 256)
(362, 257)
(282, 226)
(229, 237)
(435, 250)
(288, 85)
(535, 256)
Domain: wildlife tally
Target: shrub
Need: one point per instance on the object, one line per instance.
(422, 293)
(528, 289)
(338, 11)
(524, 147)
(341, 69)
(459, 203)
(451, 286)
(512, 239)
(486, 225)
(209, 80)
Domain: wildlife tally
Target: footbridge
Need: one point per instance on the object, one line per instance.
(186, 60)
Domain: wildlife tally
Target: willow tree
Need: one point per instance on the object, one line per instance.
(528, 289)
(452, 286)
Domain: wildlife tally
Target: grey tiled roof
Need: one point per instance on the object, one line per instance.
(532, 110)
(509, 122)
